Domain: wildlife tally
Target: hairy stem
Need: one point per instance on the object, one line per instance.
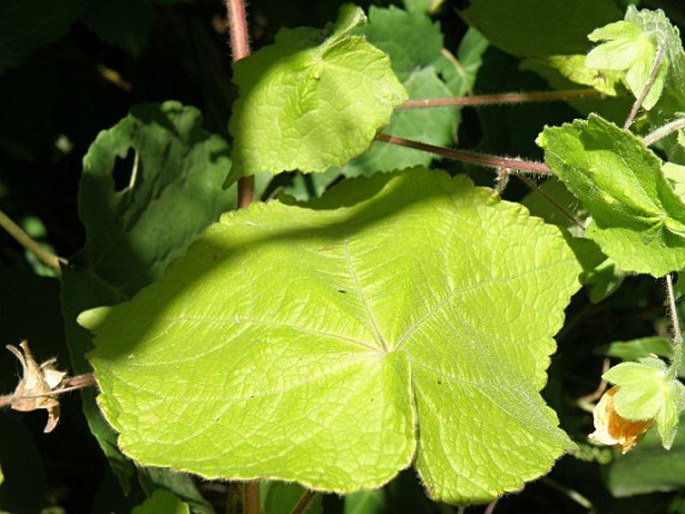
(677, 342)
(650, 80)
(69, 384)
(503, 98)
(303, 502)
(532, 185)
(663, 131)
(488, 161)
(240, 45)
(30, 244)
(237, 24)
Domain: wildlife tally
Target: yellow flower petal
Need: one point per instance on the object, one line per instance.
(613, 430)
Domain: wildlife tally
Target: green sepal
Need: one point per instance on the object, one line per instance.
(647, 392)
(629, 49)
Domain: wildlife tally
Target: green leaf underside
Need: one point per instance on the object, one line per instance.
(638, 220)
(310, 102)
(330, 346)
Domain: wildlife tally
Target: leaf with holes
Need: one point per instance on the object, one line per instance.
(403, 318)
(312, 100)
(136, 225)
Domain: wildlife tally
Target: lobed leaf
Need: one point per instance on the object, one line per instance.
(402, 318)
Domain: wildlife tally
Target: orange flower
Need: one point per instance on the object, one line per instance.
(613, 430)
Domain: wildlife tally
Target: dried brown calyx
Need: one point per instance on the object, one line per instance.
(37, 385)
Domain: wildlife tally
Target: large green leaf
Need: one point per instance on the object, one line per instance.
(312, 100)
(402, 318)
(173, 192)
(638, 219)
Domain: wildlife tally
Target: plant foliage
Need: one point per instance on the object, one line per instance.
(376, 332)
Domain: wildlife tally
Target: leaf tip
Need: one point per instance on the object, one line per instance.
(93, 318)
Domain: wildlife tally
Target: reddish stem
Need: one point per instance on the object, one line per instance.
(489, 161)
(237, 24)
(240, 45)
(502, 98)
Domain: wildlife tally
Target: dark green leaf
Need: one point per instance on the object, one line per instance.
(26, 25)
(531, 28)
(124, 23)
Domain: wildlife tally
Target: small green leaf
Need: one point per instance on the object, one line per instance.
(162, 502)
(675, 174)
(411, 40)
(638, 220)
(312, 100)
(574, 68)
(667, 417)
(402, 318)
(636, 348)
(642, 386)
(631, 50)
(663, 33)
